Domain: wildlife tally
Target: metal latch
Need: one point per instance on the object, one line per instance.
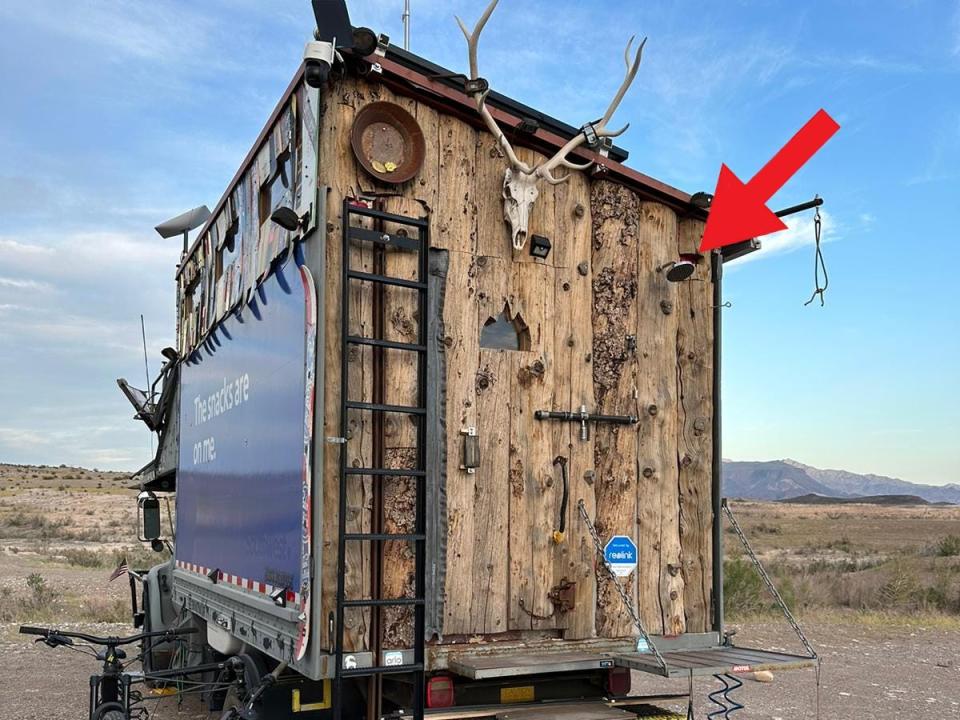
(471, 450)
(584, 417)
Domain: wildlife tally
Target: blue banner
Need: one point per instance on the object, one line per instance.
(245, 418)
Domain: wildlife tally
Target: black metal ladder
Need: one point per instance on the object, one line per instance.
(413, 238)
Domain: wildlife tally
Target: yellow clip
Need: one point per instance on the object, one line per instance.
(557, 537)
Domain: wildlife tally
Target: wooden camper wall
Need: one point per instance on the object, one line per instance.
(606, 331)
(236, 248)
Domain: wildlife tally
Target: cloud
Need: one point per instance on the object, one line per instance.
(10, 248)
(21, 284)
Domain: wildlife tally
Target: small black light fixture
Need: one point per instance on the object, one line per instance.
(528, 126)
(679, 270)
(540, 246)
(286, 218)
(701, 200)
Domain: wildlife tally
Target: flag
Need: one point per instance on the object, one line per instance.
(121, 570)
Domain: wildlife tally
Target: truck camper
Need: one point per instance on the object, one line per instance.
(441, 425)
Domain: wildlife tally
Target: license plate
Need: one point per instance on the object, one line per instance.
(520, 694)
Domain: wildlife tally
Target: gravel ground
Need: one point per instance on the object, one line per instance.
(868, 673)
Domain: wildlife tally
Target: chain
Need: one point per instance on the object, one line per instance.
(818, 264)
(768, 582)
(628, 603)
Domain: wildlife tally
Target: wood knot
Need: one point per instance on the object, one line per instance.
(582, 268)
(483, 381)
(566, 287)
(648, 472)
(674, 570)
(687, 460)
(589, 476)
(666, 307)
(674, 594)
(330, 227)
(699, 426)
(482, 261)
(448, 341)
(691, 356)
(579, 210)
(570, 341)
(652, 410)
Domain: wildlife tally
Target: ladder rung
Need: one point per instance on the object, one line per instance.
(389, 217)
(385, 472)
(383, 238)
(385, 279)
(385, 344)
(383, 602)
(387, 537)
(381, 670)
(379, 407)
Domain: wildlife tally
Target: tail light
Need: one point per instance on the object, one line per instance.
(618, 681)
(440, 692)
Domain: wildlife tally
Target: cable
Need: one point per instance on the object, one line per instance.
(818, 264)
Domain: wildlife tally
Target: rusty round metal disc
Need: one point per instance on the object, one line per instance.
(388, 142)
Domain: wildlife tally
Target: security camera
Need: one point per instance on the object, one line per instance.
(319, 57)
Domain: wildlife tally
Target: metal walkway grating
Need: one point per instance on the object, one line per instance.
(714, 661)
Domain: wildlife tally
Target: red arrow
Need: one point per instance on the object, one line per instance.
(739, 211)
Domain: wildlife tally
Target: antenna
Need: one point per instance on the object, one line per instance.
(406, 24)
(146, 369)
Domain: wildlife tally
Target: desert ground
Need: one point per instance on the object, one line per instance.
(876, 588)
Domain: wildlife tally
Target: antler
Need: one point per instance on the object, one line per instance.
(544, 170)
(481, 97)
(599, 128)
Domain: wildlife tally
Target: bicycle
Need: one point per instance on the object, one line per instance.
(110, 695)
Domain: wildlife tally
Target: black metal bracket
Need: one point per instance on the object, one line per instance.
(589, 131)
(794, 209)
(583, 417)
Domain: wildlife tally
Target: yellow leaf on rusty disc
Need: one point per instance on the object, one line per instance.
(378, 166)
(390, 166)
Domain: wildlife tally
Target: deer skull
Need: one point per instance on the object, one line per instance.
(520, 181)
(519, 193)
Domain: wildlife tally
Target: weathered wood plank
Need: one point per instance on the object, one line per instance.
(456, 210)
(534, 495)
(614, 214)
(462, 338)
(661, 582)
(573, 343)
(695, 440)
(401, 323)
(493, 232)
(337, 172)
(490, 571)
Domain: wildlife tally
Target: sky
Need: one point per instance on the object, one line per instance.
(118, 115)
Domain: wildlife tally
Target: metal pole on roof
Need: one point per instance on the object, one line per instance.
(406, 24)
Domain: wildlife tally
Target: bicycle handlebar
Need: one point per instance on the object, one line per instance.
(114, 641)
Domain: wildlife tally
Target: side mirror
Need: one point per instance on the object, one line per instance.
(149, 507)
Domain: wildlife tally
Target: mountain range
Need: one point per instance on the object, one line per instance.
(783, 479)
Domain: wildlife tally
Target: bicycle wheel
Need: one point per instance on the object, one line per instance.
(110, 711)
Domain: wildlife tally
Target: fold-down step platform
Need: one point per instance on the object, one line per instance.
(533, 663)
(714, 661)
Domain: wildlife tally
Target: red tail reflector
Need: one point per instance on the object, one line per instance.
(440, 692)
(618, 681)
